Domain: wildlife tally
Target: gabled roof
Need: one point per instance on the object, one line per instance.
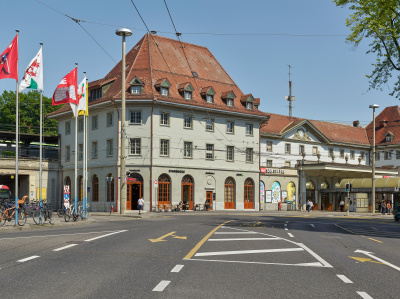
(386, 121)
(155, 58)
(332, 132)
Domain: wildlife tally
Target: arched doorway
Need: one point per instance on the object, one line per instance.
(276, 192)
(248, 194)
(187, 191)
(326, 204)
(110, 187)
(68, 183)
(310, 194)
(229, 193)
(134, 190)
(95, 188)
(164, 190)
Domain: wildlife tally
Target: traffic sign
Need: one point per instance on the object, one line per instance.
(155, 183)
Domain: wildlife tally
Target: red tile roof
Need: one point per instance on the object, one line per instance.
(386, 121)
(154, 58)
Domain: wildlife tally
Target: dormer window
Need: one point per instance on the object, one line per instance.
(186, 90)
(229, 102)
(249, 106)
(163, 85)
(389, 136)
(210, 98)
(95, 94)
(207, 94)
(248, 101)
(229, 98)
(136, 86)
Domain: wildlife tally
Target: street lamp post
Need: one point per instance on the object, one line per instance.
(123, 32)
(373, 106)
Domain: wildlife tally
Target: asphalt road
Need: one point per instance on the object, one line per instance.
(204, 256)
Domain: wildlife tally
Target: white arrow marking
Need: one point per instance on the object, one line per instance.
(370, 254)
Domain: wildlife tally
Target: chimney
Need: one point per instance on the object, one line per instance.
(356, 123)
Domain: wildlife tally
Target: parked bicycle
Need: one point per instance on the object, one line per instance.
(61, 212)
(44, 213)
(7, 213)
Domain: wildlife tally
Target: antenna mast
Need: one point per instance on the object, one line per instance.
(290, 98)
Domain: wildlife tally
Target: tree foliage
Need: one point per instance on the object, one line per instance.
(378, 21)
(29, 113)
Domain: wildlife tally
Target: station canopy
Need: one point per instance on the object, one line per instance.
(381, 184)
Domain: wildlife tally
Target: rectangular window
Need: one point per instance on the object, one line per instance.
(341, 153)
(164, 120)
(269, 163)
(287, 164)
(210, 99)
(68, 128)
(352, 155)
(388, 155)
(187, 149)
(135, 146)
(136, 89)
(80, 151)
(164, 91)
(187, 95)
(397, 155)
(110, 119)
(164, 147)
(301, 149)
(209, 151)
(230, 125)
(209, 124)
(377, 155)
(268, 145)
(80, 125)
(94, 150)
(315, 150)
(229, 102)
(95, 122)
(136, 117)
(249, 105)
(287, 148)
(362, 155)
(188, 122)
(249, 155)
(67, 153)
(230, 150)
(249, 129)
(109, 148)
(330, 152)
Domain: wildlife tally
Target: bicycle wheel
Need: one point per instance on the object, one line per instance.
(75, 216)
(21, 217)
(50, 217)
(3, 217)
(60, 212)
(35, 216)
(67, 215)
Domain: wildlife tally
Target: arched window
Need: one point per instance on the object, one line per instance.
(187, 191)
(95, 188)
(248, 194)
(291, 192)
(276, 191)
(110, 187)
(164, 188)
(229, 193)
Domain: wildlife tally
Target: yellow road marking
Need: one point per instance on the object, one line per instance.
(375, 240)
(197, 247)
(161, 239)
(363, 259)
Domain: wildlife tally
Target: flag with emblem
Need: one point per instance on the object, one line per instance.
(33, 76)
(66, 91)
(80, 109)
(9, 61)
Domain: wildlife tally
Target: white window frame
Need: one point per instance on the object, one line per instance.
(388, 155)
(288, 148)
(287, 164)
(164, 148)
(377, 156)
(164, 91)
(232, 129)
(249, 155)
(136, 148)
(229, 102)
(67, 153)
(164, 119)
(268, 163)
(109, 148)
(188, 149)
(95, 122)
(315, 150)
(188, 95)
(187, 122)
(80, 125)
(209, 151)
(68, 128)
(209, 98)
(302, 149)
(80, 151)
(136, 89)
(249, 129)
(135, 117)
(249, 105)
(268, 146)
(210, 124)
(230, 153)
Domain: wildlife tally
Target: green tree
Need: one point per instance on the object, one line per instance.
(29, 113)
(378, 21)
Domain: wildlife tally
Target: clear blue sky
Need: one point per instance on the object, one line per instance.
(328, 75)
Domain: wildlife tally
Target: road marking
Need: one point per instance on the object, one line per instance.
(290, 235)
(364, 295)
(322, 261)
(177, 268)
(375, 240)
(65, 247)
(344, 278)
(286, 228)
(161, 286)
(378, 259)
(245, 239)
(195, 248)
(285, 224)
(234, 233)
(312, 225)
(103, 236)
(161, 239)
(247, 251)
(60, 235)
(315, 264)
(28, 258)
(363, 259)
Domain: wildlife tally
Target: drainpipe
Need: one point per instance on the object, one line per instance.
(151, 158)
(116, 108)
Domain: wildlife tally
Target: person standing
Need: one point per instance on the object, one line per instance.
(341, 205)
(383, 205)
(140, 204)
(311, 205)
(389, 208)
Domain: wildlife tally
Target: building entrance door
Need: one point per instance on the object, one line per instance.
(134, 191)
(209, 195)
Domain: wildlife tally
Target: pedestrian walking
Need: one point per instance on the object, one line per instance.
(383, 206)
(311, 205)
(140, 204)
(341, 205)
(308, 205)
(389, 208)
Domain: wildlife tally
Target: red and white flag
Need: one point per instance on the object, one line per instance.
(9, 61)
(66, 91)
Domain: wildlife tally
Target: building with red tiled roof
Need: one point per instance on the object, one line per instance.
(189, 127)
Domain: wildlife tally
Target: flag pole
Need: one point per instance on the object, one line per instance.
(16, 145)
(87, 146)
(76, 158)
(41, 150)
(84, 156)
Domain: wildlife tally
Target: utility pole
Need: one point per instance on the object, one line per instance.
(290, 98)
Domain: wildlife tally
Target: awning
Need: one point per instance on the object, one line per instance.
(385, 184)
